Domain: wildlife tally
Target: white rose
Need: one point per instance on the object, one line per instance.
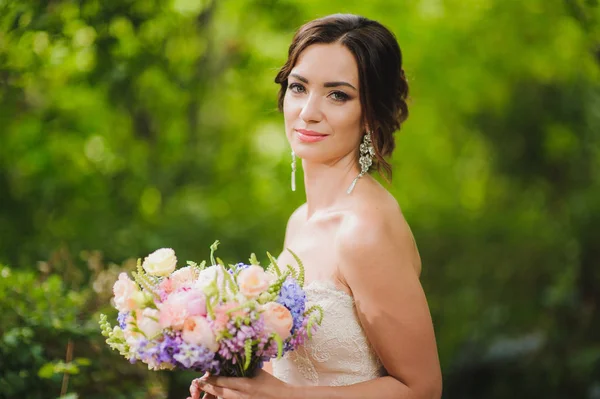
(208, 275)
(149, 324)
(161, 262)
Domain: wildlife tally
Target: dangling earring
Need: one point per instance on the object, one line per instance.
(293, 171)
(367, 152)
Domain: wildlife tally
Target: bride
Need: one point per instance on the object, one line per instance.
(343, 95)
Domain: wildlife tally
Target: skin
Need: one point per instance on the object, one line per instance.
(359, 241)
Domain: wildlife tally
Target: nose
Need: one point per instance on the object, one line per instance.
(311, 110)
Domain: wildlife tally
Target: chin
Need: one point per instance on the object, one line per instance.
(307, 153)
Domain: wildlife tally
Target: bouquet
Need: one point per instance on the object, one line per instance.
(224, 320)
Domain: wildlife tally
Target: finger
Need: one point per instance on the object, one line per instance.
(235, 383)
(220, 392)
(195, 389)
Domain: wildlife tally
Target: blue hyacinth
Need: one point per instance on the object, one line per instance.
(294, 299)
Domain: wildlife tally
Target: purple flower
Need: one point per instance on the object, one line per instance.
(168, 348)
(195, 357)
(300, 337)
(231, 346)
(238, 267)
(293, 297)
(121, 318)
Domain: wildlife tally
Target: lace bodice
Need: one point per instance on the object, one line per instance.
(338, 353)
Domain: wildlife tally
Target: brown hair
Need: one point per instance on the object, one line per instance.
(383, 86)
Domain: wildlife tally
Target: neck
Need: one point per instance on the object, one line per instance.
(326, 185)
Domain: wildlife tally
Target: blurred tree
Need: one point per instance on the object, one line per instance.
(129, 125)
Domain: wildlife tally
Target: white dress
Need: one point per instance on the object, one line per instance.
(339, 352)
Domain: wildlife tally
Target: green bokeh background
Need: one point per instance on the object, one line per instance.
(127, 125)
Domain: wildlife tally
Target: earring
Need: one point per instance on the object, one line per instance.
(293, 171)
(367, 152)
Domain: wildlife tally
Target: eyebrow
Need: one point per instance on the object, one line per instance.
(326, 84)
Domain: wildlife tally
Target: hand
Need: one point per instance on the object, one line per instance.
(261, 386)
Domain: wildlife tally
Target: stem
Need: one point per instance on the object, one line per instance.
(68, 358)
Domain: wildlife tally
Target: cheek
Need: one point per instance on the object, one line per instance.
(346, 120)
(291, 109)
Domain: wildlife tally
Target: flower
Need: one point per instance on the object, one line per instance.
(124, 290)
(208, 276)
(183, 277)
(123, 318)
(253, 281)
(179, 306)
(196, 330)
(166, 286)
(161, 262)
(148, 323)
(278, 319)
(173, 311)
(196, 302)
(164, 320)
(293, 297)
(222, 316)
(231, 346)
(195, 357)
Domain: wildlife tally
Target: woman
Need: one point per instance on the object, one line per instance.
(343, 95)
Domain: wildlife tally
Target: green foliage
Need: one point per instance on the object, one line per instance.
(49, 341)
(126, 126)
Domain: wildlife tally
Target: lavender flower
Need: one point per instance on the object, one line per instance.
(168, 348)
(195, 357)
(122, 319)
(300, 337)
(231, 346)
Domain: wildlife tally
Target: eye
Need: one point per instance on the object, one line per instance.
(296, 88)
(339, 96)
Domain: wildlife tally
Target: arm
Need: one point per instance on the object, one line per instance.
(380, 264)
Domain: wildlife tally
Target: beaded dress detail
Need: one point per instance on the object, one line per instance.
(339, 352)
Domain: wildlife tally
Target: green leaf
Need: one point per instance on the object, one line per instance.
(301, 271)
(46, 371)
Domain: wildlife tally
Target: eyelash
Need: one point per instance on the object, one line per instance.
(342, 97)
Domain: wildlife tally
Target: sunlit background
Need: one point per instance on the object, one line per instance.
(127, 125)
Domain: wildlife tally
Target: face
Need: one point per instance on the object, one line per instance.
(322, 107)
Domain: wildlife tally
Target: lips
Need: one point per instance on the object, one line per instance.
(310, 136)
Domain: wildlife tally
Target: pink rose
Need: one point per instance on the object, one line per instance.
(124, 290)
(166, 286)
(179, 306)
(222, 317)
(253, 281)
(196, 331)
(173, 311)
(278, 319)
(196, 302)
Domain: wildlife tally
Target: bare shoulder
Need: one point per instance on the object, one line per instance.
(377, 226)
(295, 220)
